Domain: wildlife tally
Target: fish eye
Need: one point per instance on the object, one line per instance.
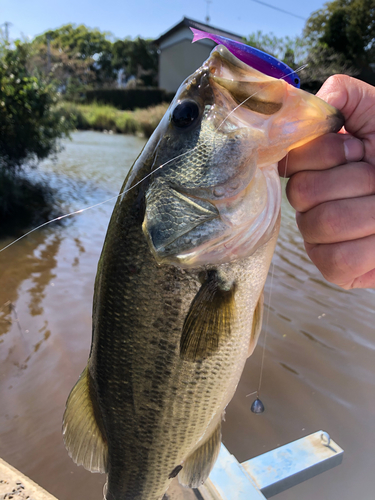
(296, 81)
(185, 113)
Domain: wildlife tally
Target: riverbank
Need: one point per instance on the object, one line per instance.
(108, 118)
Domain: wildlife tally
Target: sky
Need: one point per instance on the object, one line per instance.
(150, 19)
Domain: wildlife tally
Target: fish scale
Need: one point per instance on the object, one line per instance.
(185, 397)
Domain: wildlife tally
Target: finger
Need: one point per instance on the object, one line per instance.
(356, 101)
(367, 280)
(349, 264)
(307, 189)
(340, 220)
(322, 153)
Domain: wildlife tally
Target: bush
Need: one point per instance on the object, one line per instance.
(29, 122)
(30, 126)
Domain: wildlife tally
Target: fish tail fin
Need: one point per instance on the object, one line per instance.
(198, 35)
(83, 436)
(197, 467)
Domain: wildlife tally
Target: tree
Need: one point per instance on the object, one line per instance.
(346, 27)
(323, 49)
(30, 127)
(287, 49)
(136, 58)
(79, 58)
(29, 124)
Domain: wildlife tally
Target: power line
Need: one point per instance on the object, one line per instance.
(280, 10)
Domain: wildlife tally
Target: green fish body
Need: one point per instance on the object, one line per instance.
(178, 299)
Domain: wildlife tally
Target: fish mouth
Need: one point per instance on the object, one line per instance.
(289, 117)
(217, 198)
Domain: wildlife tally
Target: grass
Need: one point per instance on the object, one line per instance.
(103, 117)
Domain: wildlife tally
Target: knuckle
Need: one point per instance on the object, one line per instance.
(325, 223)
(332, 261)
(330, 221)
(370, 177)
(333, 153)
(300, 191)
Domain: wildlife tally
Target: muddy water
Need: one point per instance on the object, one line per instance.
(319, 363)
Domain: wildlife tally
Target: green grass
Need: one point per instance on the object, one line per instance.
(103, 117)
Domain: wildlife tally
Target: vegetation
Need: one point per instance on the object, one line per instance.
(78, 58)
(346, 27)
(339, 38)
(102, 117)
(30, 127)
(318, 62)
(75, 62)
(29, 124)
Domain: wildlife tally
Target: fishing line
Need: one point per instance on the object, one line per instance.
(257, 406)
(95, 205)
(300, 68)
(76, 212)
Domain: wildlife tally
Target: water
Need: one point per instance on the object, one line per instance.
(319, 370)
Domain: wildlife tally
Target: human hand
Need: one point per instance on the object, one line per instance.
(332, 188)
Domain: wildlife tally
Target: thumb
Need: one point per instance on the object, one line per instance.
(356, 101)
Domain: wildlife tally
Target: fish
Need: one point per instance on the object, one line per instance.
(178, 299)
(255, 58)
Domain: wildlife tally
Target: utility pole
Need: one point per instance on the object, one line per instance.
(208, 8)
(7, 24)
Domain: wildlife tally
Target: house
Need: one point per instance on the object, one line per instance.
(178, 57)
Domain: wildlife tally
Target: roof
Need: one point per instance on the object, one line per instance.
(190, 23)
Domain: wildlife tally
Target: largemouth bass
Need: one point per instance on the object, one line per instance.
(178, 294)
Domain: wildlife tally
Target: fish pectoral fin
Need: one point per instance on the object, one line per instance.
(257, 324)
(197, 467)
(209, 319)
(82, 435)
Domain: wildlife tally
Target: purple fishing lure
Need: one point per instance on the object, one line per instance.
(259, 60)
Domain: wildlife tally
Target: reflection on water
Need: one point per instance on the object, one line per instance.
(319, 370)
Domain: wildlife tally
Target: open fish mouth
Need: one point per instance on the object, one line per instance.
(215, 195)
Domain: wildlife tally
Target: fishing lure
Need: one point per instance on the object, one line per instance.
(256, 58)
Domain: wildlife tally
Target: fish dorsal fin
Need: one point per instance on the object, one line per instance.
(257, 324)
(209, 319)
(197, 467)
(83, 438)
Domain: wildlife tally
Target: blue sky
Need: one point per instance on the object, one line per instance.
(148, 18)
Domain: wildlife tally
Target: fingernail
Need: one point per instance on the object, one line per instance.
(353, 149)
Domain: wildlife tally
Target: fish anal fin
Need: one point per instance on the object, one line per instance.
(197, 467)
(82, 430)
(209, 319)
(257, 324)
